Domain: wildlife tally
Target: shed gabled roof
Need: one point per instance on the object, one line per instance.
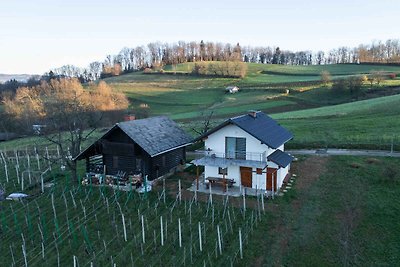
(280, 158)
(154, 135)
(261, 126)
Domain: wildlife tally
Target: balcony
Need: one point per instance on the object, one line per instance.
(237, 158)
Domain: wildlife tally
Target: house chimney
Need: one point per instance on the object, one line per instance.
(129, 117)
(253, 113)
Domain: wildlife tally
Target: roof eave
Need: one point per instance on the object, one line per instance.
(213, 130)
(83, 152)
(170, 149)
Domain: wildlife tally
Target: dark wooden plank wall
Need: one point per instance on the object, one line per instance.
(163, 163)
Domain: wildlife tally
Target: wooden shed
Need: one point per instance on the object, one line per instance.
(153, 147)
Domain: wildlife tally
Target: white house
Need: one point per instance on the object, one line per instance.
(248, 149)
(232, 89)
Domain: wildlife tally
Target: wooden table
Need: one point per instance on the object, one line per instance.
(219, 181)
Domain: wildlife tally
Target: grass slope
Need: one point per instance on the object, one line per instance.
(372, 123)
(185, 97)
(344, 216)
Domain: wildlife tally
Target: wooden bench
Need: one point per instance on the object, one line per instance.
(219, 181)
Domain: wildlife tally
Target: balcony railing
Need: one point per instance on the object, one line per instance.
(239, 155)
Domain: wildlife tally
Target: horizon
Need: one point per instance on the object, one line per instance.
(47, 34)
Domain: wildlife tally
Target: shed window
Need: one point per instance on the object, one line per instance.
(138, 164)
(115, 162)
(222, 171)
(163, 161)
(259, 171)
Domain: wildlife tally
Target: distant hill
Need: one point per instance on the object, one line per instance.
(18, 77)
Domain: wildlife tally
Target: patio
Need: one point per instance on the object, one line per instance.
(234, 191)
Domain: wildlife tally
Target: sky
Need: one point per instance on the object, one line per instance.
(38, 35)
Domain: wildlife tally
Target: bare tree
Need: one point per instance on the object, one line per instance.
(206, 123)
(71, 114)
(378, 76)
(326, 77)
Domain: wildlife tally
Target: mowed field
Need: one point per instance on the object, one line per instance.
(317, 115)
(368, 124)
(185, 97)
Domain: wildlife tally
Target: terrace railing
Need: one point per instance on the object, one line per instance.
(253, 156)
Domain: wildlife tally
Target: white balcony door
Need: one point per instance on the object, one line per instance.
(235, 148)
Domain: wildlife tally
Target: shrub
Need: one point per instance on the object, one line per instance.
(221, 68)
(325, 77)
(199, 69)
(340, 85)
(147, 71)
(355, 84)
(378, 76)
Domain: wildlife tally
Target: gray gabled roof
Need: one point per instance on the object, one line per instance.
(155, 135)
(261, 126)
(280, 158)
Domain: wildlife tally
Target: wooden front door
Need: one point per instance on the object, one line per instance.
(246, 176)
(271, 172)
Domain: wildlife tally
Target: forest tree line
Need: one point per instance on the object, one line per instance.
(158, 54)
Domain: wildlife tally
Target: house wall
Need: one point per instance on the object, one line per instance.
(259, 180)
(233, 173)
(216, 140)
(282, 174)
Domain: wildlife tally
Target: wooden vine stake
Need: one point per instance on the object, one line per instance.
(143, 236)
(244, 204)
(219, 240)
(5, 166)
(124, 226)
(200, 243)
(210, 194)
(180, 191)
(162, 231)
(16, 157)
(38, 161)
(29, 165)
(12, 255)
(17, 172)
(42, 250)
(180, 232)
(273, 185)
(262, 202)
(24, 253)
(48, 157)
(240, 243)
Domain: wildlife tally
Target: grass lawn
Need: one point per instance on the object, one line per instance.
(372, 123)
(186, 97)
(342, 212)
